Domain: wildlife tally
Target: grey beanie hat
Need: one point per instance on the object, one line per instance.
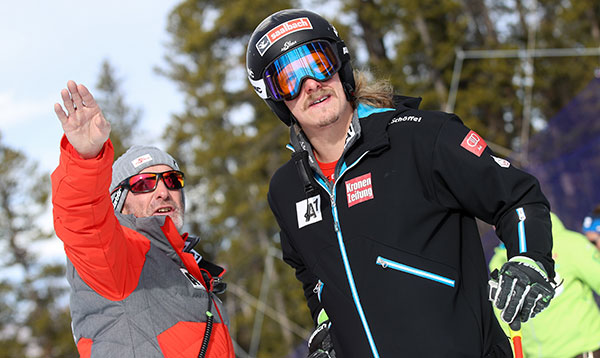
(136, 159)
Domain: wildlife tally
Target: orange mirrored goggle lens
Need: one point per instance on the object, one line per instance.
(285, 75)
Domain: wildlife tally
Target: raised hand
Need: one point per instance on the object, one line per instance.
(83, 124)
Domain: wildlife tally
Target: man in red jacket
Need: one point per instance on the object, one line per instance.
(138, 289)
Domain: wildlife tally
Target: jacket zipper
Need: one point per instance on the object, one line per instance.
(385, 263)
(349, 276)
(318, 289)
(521, 230)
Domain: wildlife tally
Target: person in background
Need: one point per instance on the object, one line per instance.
(591, 229)
(138, 288)
(377, 208)
(591, 226)
(570, 326)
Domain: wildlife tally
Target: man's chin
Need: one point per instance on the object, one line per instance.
(176, 218)
(177, 221)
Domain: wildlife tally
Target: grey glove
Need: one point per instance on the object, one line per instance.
(520, 290)
(319, 343)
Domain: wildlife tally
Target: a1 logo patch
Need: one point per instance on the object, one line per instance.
(309, 211)
(194, 281)
(359, 189)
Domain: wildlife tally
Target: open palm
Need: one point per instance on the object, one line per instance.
(83, 123)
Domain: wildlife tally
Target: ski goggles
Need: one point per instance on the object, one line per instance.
(284, 76)
(147, 182)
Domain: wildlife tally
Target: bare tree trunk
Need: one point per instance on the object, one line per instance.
(373, 37)
(19, 254)
(480, 16)
(280, 306)
(438, 83)
(594, 24)
(522, 18)
(490, 31)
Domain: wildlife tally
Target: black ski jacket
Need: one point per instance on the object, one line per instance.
(391, 251)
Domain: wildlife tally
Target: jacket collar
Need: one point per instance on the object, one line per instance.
(367, 132)
(163, 234)
(150, 227)
(374, 123)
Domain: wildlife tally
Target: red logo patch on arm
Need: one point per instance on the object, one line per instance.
(474, 143)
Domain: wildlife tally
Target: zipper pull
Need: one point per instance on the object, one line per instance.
(317, 286)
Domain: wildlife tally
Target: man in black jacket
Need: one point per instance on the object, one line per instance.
(377, 208)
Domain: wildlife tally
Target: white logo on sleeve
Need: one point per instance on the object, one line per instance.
(308, 211)
(501, 162)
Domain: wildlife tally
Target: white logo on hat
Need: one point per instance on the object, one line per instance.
(287, 45)
(141, 160)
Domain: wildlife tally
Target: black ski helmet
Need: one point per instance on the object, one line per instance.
(286, 30)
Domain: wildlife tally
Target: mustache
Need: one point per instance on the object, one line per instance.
(165, 202)
(317, 95)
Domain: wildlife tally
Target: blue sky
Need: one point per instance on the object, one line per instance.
(46, 43)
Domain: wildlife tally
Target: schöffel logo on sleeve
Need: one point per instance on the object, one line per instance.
(301, 23)
(359, 189)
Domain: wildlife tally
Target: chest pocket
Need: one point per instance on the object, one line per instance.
(391, 264)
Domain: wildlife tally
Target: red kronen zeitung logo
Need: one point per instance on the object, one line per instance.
(359, 189)
(280, 31)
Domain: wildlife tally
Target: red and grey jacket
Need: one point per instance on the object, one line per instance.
(391, 249)
(135, 291)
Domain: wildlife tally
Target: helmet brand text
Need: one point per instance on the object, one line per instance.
(280, 31)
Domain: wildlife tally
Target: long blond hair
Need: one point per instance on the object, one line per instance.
(377, 93)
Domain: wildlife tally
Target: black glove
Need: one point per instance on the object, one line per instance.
(520, 290)
(319, 343)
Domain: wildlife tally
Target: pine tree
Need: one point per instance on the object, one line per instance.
(123, 119)
(35, 320)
